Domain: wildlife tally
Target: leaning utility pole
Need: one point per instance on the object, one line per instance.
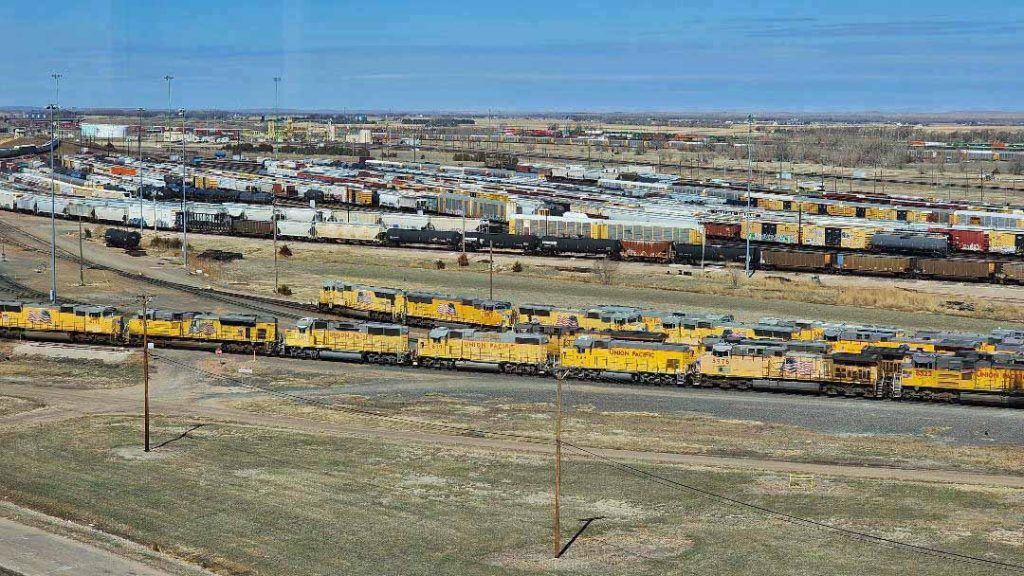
(145, 367)
(557, 531)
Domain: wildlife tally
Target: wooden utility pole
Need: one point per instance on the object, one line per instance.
(490, 270)
(557, 531)
(145, 367)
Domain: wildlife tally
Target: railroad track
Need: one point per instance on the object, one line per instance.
(267, 305)
(735, 170)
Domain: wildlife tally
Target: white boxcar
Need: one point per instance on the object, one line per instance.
(298, 214)
(116, 213)
(396, 200)
(26, 203)
(354, 216)
(76, 209)
(290, 229)
(347, 232)
(7, 200)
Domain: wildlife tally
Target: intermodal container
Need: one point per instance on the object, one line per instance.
(123, 171)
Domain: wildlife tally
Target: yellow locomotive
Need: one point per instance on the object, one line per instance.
(513, 353)
(370, 342)
(995, 378)
(597, 318)
(804, 367)
(646, 362)
(243, 333)
(434, 307)
(81, 323)
(392, 304)
(376, 302)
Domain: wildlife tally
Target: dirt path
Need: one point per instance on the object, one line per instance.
(180, 393)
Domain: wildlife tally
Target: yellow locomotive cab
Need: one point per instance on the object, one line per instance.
(473, 311)
(368, 341)
(512, 352)
(998, 378)
(233, 332)
(806, 367)
(386, 304)
(647, 362)
(82, 323)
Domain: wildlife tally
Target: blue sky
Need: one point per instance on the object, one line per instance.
(521, 55)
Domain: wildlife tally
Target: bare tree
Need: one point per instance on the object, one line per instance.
(605, 270)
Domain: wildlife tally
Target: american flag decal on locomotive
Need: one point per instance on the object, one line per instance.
(364, 297)
(203, 327)
(446, 309)
(569, 321)
(39, 317)
(798, 367)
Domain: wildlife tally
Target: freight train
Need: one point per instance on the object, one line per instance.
(810, 367)
(29, 149)
(976, 255)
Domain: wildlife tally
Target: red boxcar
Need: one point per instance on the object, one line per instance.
(965, 240)
(720, 230)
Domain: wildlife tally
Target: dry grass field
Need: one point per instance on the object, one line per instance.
(243, 500)
(243, 483)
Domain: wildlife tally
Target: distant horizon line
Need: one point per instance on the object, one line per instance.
(728, 113)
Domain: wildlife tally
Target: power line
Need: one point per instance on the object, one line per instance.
(855, 534)
(662, 480)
